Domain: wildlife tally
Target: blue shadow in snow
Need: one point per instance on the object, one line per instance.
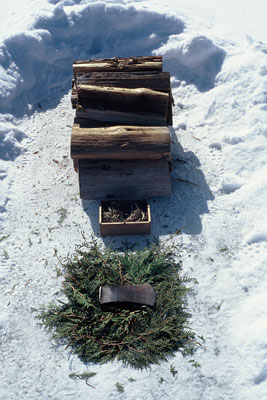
(181, 212)
(197, 62)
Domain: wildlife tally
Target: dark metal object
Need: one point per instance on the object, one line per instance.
(126, 297)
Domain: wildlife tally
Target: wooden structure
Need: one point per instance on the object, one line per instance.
(126, 297)
(126, 227)
(135, 84)
(120, 141)
(123, 179)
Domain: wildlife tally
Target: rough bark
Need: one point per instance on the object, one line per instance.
(120, 142)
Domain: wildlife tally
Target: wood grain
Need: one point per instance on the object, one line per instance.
(110, 104)
(158, 81)
(123, 179)
(120, 142)
(130, 64)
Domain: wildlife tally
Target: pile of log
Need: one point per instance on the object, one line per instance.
(120, 141)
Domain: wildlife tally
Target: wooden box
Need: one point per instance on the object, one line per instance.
(125, 228)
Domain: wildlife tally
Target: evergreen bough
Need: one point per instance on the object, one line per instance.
(137, 337)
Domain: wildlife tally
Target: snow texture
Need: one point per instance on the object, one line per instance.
(217, 55)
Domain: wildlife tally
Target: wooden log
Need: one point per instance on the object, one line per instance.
(133, 65)
(122, 118)
(122, 105)
(130, 64)
(159, 81)
(123, 179)
(120, 142)
(74, 98)
(87, 123)
(126, 297)
(82, 114)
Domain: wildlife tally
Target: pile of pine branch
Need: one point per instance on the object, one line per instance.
(137, 337)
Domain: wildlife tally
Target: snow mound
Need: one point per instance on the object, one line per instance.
(37, 64)
(248, 200)
(260, 93)
(215, 145)
(257, 236)
(230, 184)
(195, 59)
(10, 142)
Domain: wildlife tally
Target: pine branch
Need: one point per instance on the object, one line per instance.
(120, 273)
(137, 337)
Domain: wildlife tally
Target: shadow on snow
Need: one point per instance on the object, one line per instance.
(38, 63)
(181, 212)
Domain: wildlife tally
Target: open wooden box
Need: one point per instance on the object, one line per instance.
(125, 228)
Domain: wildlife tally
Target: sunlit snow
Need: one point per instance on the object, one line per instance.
(216, 52)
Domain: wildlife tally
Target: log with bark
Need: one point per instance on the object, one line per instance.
(119, 64)
(120, 142)
(121, 105)
(159, 81)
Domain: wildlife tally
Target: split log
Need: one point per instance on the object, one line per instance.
(74, 98)
(158, 81)
(120, 142)
(116, 117)
(122, 105)
(123, 179)
(130, 64)
(126, 297)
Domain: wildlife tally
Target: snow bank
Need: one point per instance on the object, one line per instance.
(11, 137)
(38, 63)
(10, 141)
(244, 146)
(219, 88)
(194, 59)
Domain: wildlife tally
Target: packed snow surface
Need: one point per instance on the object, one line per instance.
(217, 55)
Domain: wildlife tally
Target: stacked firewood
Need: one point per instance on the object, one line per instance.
(120, 141)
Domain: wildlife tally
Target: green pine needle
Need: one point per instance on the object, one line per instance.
(136, 337)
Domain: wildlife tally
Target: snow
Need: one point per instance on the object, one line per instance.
(216, 53)
(195, 59)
